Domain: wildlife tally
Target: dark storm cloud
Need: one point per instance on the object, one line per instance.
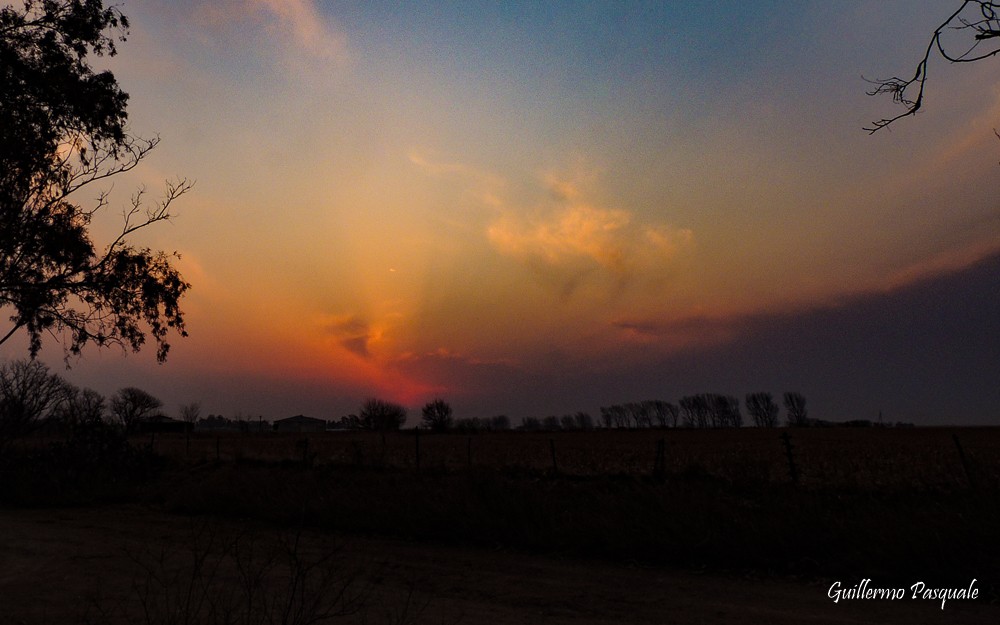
(927, 353)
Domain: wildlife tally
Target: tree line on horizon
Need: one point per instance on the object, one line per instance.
(31, 396)
(693, 411)
(704, 410)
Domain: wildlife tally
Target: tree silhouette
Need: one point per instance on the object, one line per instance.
(612, 416)
(82, 406)
(131, 405)
(762, 409)
(63, 127)
(978, 21)
(437, 416)
(190, 412)
(697, 410)
(28, 393)
(795, 404)
(583, 421)
(662, 412)
(381, 415)
(726, 411)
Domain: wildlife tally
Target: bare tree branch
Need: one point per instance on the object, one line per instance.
(984, 28)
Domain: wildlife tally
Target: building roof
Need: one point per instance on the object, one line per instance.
(161, 418)
(300, 419)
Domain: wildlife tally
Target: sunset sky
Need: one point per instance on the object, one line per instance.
(544, 207)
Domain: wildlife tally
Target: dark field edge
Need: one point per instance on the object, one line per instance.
(687, 520)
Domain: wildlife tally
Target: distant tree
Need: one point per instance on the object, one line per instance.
(132, 405)
(726, 411)
(583, 421)
(620, 415)
(567, 422)
(63, 128)
(673, 413)
(28, 393)
(381, 415)
(190, 412)
(640, 414)
(82, 406)
(716, 409)
(735, 414)
(795, 405)
(500, 423)
(218, 423)
(697, 410)
(657, 411)
(531, 424)
(472, 425)
(687, 406)
(973, 35)
(626, 415)
(551, 423)
(437, 416)
(349, 422)
(762, 409)
(723, 410)
(623, 417)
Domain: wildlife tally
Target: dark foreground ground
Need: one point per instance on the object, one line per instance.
(591, 527)
(99, 564)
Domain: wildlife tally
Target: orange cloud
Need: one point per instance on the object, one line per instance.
(353, 333)
(578, 243)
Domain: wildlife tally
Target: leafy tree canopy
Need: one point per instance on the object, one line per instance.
(63, 127)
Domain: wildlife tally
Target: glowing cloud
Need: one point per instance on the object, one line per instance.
(302, 20)
(353, 334)
(576, 242)
(297, 26)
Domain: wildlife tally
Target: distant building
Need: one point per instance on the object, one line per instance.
(300, 423)
(163, 423)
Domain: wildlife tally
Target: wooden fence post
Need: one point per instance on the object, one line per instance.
(552, 450)
(793, 471)
(217, 448)
(468, 450)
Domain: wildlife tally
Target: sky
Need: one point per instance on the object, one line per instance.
(545, 207)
